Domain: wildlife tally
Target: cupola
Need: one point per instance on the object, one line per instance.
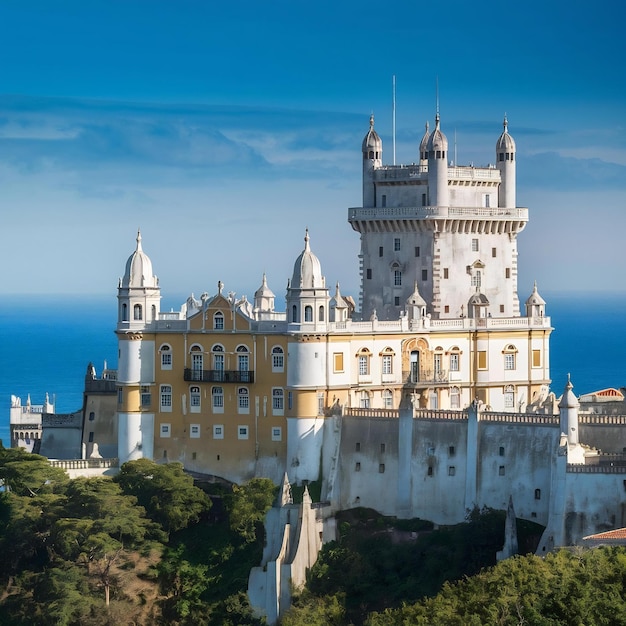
(139, 269)
(372, 143)
(535, 305)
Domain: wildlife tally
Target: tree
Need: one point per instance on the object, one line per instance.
(248, 504)
(165, 491)
(28, 474)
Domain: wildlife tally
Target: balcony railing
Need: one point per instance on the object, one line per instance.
(219, 376)
(426, 377)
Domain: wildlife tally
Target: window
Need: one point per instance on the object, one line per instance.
(197, 362)
(137, 312)
(357, 467)
(321, 315)
(446, 309)
(194, 431)
(388, 399)
(243, 400)
(91, 437)
(454, 361)
(383, 447)
(537, 494)
(397, 278)
(243, 362)
(502, 308)
(509, 357)
(278, 359)
(357, 446)
(278, 401)
(338, 362)
(218, 321)
(120, 395)
(242, 432)
(437, 357)
(396, 244)
(218, 362)
(423, 199)
(381, 468)
(368, 274)
(501, 451)
(165, 430)
(380, 251)
(387, 364)
(477, 278)
(536, 358)
(451, 470)
(474, 245)
(417, 250)
(364, 362)
(320, 404)
(445, 272)
(501, 470)
(451, 450)
(166, 398)
(384, 199)
(493, 252)
(507, 272)
(194, 399)
(290, 400)
(146, 396)
(217, 394)
(124, 313)
(424, 275)
(92, 416)
(294, 313)
(308, 313)
(482, 359)
(396, 300)
(218, 431)
(430, 470)
(509, 397)
(277, 433)
(455, 398)
(364, 400)
(166, 357)
(487, 200)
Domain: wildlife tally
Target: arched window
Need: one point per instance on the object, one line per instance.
(166, 357)
(243, 400)
(218, 321)
(243, 363)
(308, 313)
(363, 356)
(509, 357)
(278, 359)
(166, 398)
(509, 397)
(387, 361)
(364, 399)
(414, 372)
(278, 401)
(194, 399)
(294, 313)
(137, 312)
(455, 398)
(388, 399)
(455, 359)
(197, 362)
(124, 312)
(218, 362)
(154, 313)
(438, 362)
(321, 314)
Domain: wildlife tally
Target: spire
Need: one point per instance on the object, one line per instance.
(307, 247)
(505, 124)
(139, 240)
(371, 121)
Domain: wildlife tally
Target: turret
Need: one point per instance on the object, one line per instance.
(568, 410)
(372, 149)
(424, 146)
(438, 167)
(415, 305)
(264, 298)
(505, 162)
(535, 305)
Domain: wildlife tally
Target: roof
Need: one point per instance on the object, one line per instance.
(615, 537)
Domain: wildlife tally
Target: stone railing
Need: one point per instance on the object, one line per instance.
(602, 420)
(519, 418)
(431, 212)
(358, 412)
(596, 469)
(84, 464)
(440, 414)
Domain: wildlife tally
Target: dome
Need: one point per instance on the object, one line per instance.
(139, 269)
(568, 399)
(372, 141)
(437, 140)
(264, 291)
(424, 143)
(535, 298)
(505, 143)
(307, 270)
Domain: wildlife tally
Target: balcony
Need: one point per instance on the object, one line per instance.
(425, 378)
(219, 376)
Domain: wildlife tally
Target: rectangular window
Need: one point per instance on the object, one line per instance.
(217, 393)
(278, 359)
(166, 398)
(501, 451)
(357, 446)
(120, 395)
(446, 309)
(243, 400)
(507, 272)
(451, 450)
(424, 275)
(338, 361)
(368, 274)
(357, 467)
(387, 364)
(451, 470)
(242, 432)
(445, 272)
(502, 308)
(165, 430)
(290, 400)
(382, 448)
(218, 431)
(454, 362)
(364, 368)
(482, 359)
(430, 470)
(417, 250)
(536, 358)
(146, 396)
(493, 252)
(396, 300)
(320, 404)
(509, 361)
(91, 437)
(194, 397)
(397, 278)
(501, 470)
(396, 244)
(381, 468)
(474, 245)
(194, 431)
(384, 200)
(380, 251)
(278, 403)
(166, 358)
(218, 321)
(423, 199)
(277, 433)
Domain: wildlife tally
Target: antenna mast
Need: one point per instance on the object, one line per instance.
(393, 116)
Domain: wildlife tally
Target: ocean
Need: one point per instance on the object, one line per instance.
(48, 341)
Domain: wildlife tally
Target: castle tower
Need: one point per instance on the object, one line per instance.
(505, 162)
(535, 305)
(139, 298)
(442, 226)
(263, 299)
(372, 158)
(568, 410)
(438, 167)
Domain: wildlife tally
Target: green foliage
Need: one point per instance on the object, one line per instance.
(28, 474)
(248, 504)
(310, 610)
(165, 491)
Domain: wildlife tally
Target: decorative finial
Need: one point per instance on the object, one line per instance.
(569, 382)
(138, 239)
(427, 126)
(306, 239)
(220, 286)
(505, 124)
(372, 121)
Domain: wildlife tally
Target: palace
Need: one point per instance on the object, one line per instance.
(428, 398)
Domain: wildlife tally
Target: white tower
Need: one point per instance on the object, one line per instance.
(139, 297)
(505, 160)
(424, 147)
(372, 158)
(438, 167)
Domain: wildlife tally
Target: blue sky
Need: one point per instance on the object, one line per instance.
(224, 130)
